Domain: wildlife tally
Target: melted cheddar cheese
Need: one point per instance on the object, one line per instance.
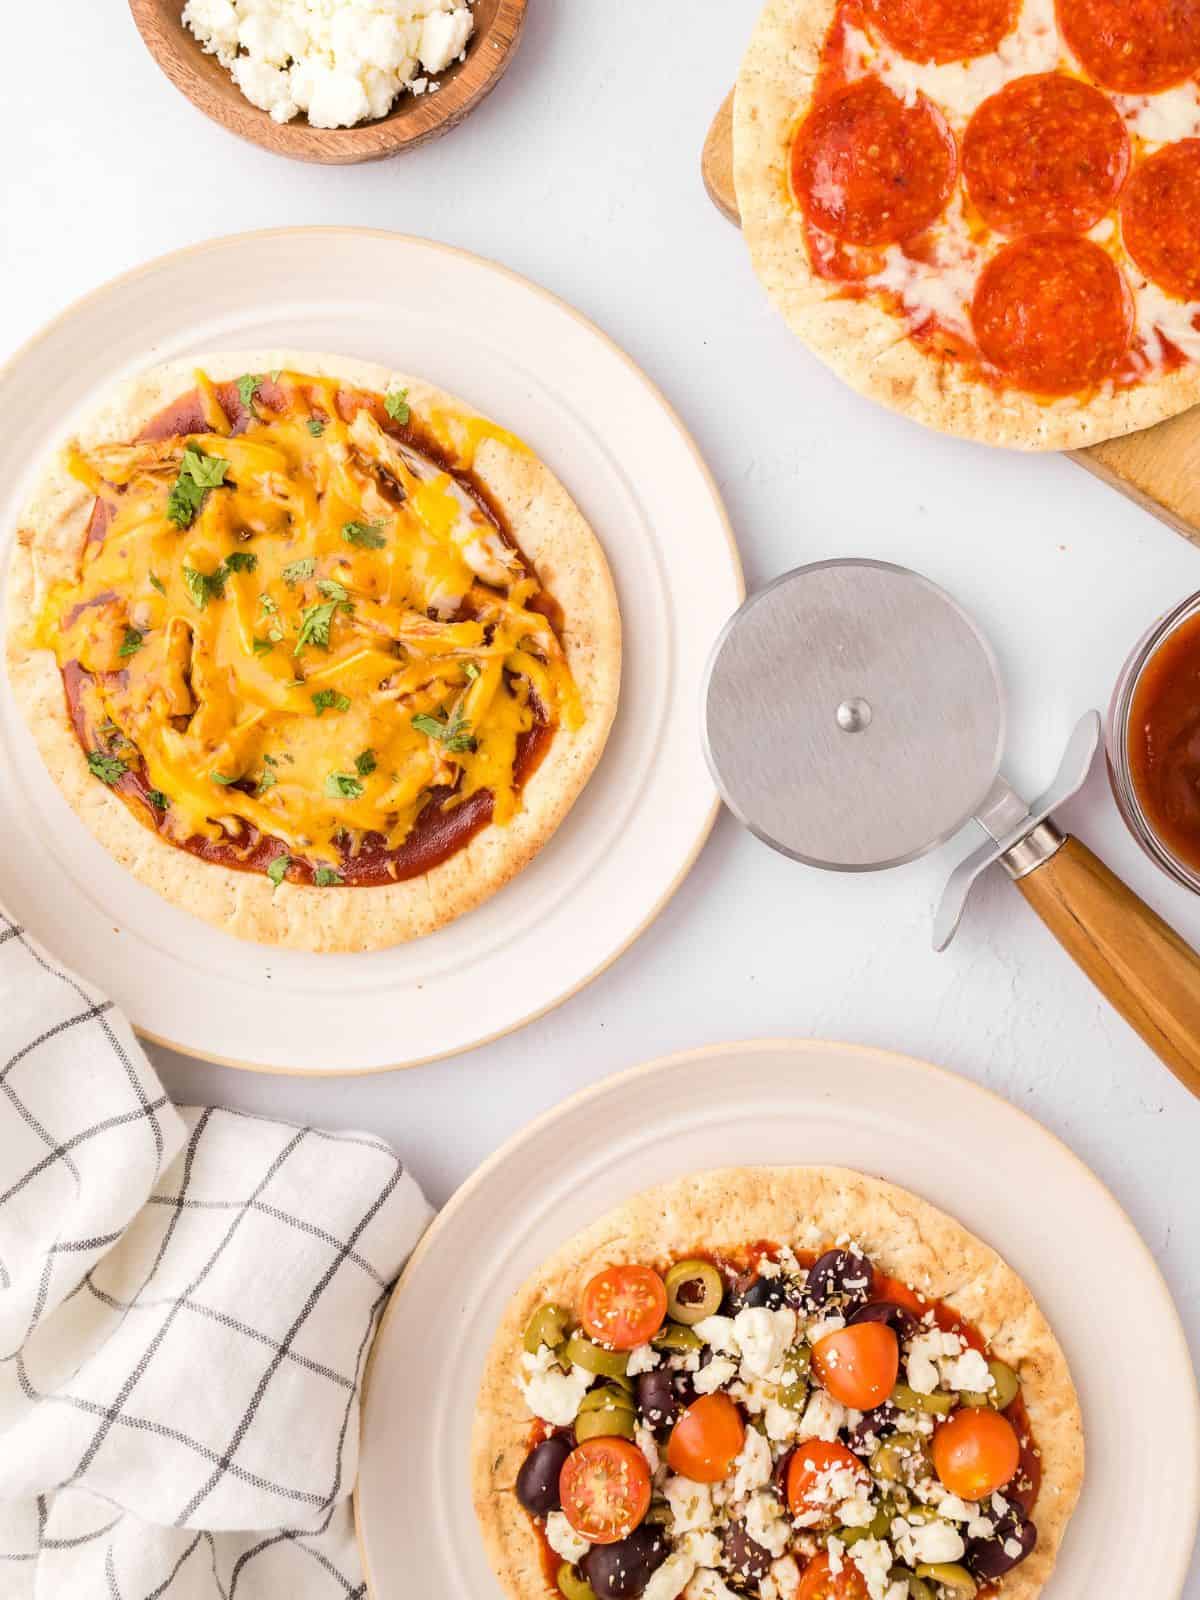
(296, 626)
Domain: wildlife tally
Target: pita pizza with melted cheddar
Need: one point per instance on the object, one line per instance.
(775, 1384)
(314, 650)
(985, 213)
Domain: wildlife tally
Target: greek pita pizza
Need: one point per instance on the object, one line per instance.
(985, 213)
(316, 652)
(776, 1384)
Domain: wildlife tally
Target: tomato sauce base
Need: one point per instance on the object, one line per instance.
(1164, 742)
(445, 824)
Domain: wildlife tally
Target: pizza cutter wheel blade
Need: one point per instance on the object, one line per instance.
(854, 719)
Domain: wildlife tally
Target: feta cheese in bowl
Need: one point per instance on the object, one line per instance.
(340, 62)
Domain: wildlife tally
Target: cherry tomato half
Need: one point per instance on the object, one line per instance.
(623, 1307)
(707, 1439)
(975, 1453)
(604, 1486)
(817, 1581)
(808, 1477)
(858, 1365)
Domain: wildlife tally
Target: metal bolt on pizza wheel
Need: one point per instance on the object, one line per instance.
(777, 1384)
(315, 651)
(985, 213)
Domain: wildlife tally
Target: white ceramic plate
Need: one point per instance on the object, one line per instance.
(799, 1102)
(530, 361)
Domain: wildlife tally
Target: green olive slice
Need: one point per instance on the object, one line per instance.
(901, 1459)
(906, 1399)
(604, 1422)
(581, 1352)
(572, 1584)
(547, 1326)
(1006, 1385)
(694, 1291)
(918, 1589)
(607, 1396)
(794, 1393)
(674, 1336)
(950, 1575)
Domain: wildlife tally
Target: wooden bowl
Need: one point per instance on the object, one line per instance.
(413, 120)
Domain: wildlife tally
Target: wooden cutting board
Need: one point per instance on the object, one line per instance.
(1159, 467)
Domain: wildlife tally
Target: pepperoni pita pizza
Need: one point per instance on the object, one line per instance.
(985, 213)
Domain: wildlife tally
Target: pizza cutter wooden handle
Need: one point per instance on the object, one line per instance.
(1139, 963)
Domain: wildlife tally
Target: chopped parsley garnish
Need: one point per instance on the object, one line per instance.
(343, 786)
(315, 426)
(132, 642)
(219, 777)
(365, 763)
(109, 769)
(246, 385)
(198, 474)
(262, 646)
(267, 781)
(157, 799)
(267, 604)
(330, 700)
(315, 622)
(367, 535)
(471, 670)
(325, 877)
(453, 734)
(157, 583)
(395, 403)
(278, 868)
(203, 586)
(332, 590)
(297, 571)
(241, 561)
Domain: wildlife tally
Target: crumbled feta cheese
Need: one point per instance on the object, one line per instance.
(967, 1371)
(835, 1550)
(873, 1558)
(949, 1505)
(932, 1542)
(999, 1504)
(766, 1523)
(563, 1540)
(341, 64)
(672, 1578)
(648, 1445)
(923, 1353)
(704, 1548)
(707, 1585)
(823, 1417)
(783, 1422)
(980, 1528)
(785, 1574)
(715, 1375)
(857, 1512)
(690, 1503)
(764, 1337)
(768, 1268)
(753, 1466)
(644, 1358)
(551, 1394)
(1013, 1548)
(718, 1332)
(817, 1330)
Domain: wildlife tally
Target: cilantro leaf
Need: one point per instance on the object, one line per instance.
(267, 604)
(246, 385)
(262, 647)
(332, 590)
(109, 769)
(395, 403)
(132, 642)
(471, 670)
(157, 799)
(297, 571)
(315, 622)
(343, 786)
(330, 700)
(268, 780)
(157, 583)
(454, 734)
(197, 474)
(365, 763)
(325, 877)
(203, 586)
(367, 535)
(240, 561)
(277, 869)
(219, 777)
(315, 426)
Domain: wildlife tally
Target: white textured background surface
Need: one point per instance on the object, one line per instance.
(582, 172)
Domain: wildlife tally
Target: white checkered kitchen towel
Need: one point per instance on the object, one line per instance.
(186, 1301)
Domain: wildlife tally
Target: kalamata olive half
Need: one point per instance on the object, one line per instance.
(619, 1571)
(744, 1556)
(658, 1397)
(898, 1318)
(779, 1475)
(769, 1292)
(873, 1426)
(840, 1275)
(989, 1558)
(537, 1481)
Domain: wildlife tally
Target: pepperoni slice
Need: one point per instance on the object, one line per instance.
(1045, 154)
(944, 30)
(1053, 313)
(1160, 218)
(1134, 46)
(869, 169)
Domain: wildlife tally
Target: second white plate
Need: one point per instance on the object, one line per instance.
(787, 1102)
(528, 360)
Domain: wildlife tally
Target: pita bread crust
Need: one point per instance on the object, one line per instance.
(552, 533)
(903, 1235)
(864, 343)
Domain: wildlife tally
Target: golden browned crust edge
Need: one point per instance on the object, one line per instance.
(904, 1236)
(863, 343)
(553, 534)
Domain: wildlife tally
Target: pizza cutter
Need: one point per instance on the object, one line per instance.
(854, 719)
